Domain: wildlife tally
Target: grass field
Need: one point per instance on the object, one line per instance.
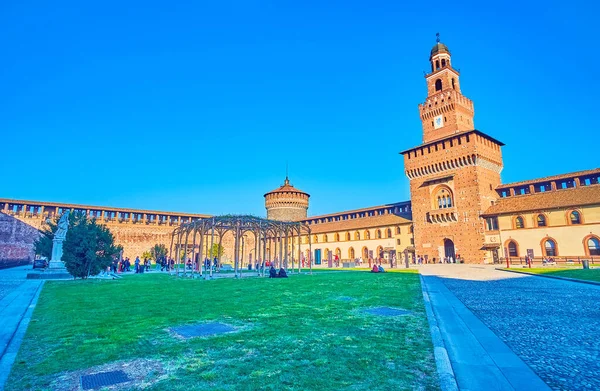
(578, 273)
(295, 333)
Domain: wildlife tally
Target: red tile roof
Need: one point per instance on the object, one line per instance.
(360, 223)
(562, 198)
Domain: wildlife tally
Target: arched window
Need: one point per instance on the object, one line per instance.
(444, 197)
(351, 253)
(315, 239)
(324, 238)
(593, 246)
(378, 234)
(453, 86)
(438, 85)
(306, 240)
(550, 248)
(519, 222)
(397, 230)
(575, 217)
(443, 62)
(388, 233)
(348, 236)
(541, 220)
(437, 64)
(513, 250)
(367, 235)
(337, 237)
(357, 235)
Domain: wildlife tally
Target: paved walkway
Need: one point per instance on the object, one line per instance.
(489, 317)
(17, 300)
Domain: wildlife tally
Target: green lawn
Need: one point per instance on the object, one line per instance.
(295, 333)
(578, 273)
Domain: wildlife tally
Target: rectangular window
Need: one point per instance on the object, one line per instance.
(492, 223)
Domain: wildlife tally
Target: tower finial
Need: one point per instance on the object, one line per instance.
(287, 180)
(437, 37)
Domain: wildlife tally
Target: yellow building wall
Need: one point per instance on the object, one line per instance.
(397, 241)
(569, 238)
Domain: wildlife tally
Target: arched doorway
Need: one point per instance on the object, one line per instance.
(449, 248)
(365, 253)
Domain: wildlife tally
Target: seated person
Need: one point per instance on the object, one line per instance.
(272, 272)
(381, 269)
(375, 269)
(282, 273)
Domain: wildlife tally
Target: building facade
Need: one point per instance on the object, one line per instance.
(554, 217)
(454, 173)
(286, 203)
(459, 207)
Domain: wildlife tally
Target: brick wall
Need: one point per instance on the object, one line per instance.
(16, 241)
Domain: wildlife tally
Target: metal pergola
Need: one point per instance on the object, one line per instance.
(272, 239)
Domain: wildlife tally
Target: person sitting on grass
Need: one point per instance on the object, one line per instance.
(375, 269)
(272, 272)
(381, 269)
(282, 273)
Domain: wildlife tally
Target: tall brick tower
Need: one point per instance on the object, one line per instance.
(454, 172)
(286, 203)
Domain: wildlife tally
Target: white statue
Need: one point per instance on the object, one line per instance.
(57, 242)
(63, 226)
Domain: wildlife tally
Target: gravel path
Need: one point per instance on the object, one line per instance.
(552, 325)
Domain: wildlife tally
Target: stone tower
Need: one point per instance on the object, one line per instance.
(286, 203)
(454, 172)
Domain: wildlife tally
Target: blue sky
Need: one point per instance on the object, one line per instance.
(197, 106)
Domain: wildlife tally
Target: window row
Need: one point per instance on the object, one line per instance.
(357, 236)
(542, 187)
(549, 247)
(573, 217)
(397, 209)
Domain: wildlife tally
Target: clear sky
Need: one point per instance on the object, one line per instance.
(197, 106)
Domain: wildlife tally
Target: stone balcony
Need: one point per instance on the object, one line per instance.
(442, 216)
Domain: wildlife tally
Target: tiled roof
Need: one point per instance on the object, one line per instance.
(551, 178)
(563, 198)
(286, 188)
(360, 223)
(460, 133)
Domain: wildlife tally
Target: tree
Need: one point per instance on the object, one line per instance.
(43, 246)
(146, 255)
(217, 250)
(88, 247)
(158, 251)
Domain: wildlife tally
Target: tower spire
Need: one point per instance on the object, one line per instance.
(287, 180)
(437, 37)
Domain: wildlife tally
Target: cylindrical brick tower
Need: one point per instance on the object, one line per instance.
(286, 203)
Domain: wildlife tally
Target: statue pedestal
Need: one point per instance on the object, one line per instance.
(56, 268)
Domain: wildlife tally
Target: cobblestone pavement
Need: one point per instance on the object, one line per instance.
(552, 325)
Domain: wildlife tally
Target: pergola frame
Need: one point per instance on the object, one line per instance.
(271, 242)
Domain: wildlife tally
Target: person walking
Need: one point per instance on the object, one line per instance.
(137, 265)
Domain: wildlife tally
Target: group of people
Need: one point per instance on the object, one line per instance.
(274, 274)
(419, 260)
(377, 269)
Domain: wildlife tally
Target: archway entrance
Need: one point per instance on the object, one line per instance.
(449, 249)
